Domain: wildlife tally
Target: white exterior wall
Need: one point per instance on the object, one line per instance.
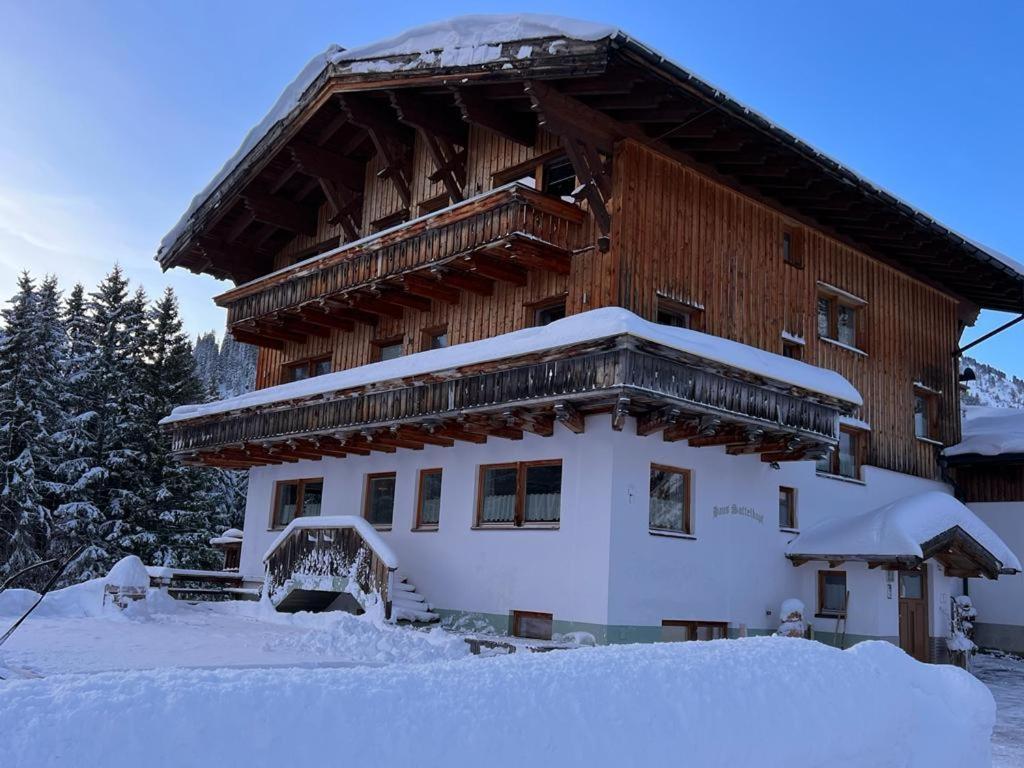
(602, 566)
(1000, 604)
(563, 571)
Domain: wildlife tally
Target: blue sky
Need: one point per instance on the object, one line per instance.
(117, 113)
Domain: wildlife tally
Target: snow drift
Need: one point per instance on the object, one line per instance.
(989, 431)
(759, 701)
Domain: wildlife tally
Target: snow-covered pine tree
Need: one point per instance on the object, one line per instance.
(31, 357)
(182, 503)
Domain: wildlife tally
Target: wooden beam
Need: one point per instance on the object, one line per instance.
(496, 269)
(570, 418)
(464, 280)
(514, 126)
(320, 317)
(655, 421)
(280, 212)
(428, 287)
(322, 163)
(255, 338)
(410, 432)
(393, 145)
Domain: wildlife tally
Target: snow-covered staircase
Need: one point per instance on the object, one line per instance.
(409, 605)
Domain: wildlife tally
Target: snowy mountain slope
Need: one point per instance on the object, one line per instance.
(993, 387)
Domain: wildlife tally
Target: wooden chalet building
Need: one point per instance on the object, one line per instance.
(574, 341)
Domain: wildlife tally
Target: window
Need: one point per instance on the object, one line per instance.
(435, 338)
(532, 624)
(787, 507)
(433, 204)
(832, 595)
(673, 631)
(925, 414)
(548, 312)
(670, 500)
(838, 317)
(305, 369)
(523, 494)
(391, 220)
(296, 498)
(845, 460)
(792, 247)
(792, 350)
(388, 349)
(379, 501)
(678, 315)
(428, 500)
(558, 178)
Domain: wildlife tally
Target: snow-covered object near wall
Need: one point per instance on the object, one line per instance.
(368, 533)
(990, 431)
(899, 529)
(128, 572)
(614, 705)
(585, 327)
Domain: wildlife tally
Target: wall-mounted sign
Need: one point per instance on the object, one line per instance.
(733, 509)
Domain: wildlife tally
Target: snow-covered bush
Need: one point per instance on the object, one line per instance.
(791, 616)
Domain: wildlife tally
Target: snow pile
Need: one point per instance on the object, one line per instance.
(358, 639)
(618, 705)
(988, 431)
(900, 528)
(792, 618)
(128, 572)
(584, 327)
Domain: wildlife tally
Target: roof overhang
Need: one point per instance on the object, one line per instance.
(615, 88)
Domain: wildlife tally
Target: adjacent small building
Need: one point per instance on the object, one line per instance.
(555, 336)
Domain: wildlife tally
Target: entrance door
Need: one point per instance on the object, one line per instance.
(914, 614)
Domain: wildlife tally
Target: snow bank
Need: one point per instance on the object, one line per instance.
(584, 327)
(989, 431)
(716, 703)
(900, 528)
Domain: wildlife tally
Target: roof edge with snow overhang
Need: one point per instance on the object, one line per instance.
(585, 327)
(907, 531)
(988, 435)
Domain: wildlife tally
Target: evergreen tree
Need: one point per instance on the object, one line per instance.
(31, 356)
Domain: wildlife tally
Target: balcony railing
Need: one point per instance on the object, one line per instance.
(699, 401)
(514, 225)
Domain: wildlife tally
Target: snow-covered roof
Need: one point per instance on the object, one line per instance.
(585, 327)
(899, 529)
(478, 39)
(989, 431)
(360, 524)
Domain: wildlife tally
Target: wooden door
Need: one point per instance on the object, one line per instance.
(914, 613)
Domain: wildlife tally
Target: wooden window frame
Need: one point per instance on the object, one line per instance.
(796, 246)
(688, 526)
(427, 336)
(519, 519)
(860, 437)
(536, 307)
(821, 613)
(535, 164)
(390, 220)
(418, 524)
(433, 204)
(516, 618)
(837, 297)
(791, 493)
(301, 482)
(388, 341)
(307, 361)
(692, 626)
(931, 401)
(792, 345)
(694, 315)
(370, 477)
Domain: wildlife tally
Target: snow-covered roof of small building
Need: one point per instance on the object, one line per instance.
(898, 529)
(369, 534)
(988, 431)
(585, 327)
(479, 39)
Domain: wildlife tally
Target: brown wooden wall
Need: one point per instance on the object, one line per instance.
(680, 234)
(990, 482)
(474, 317)
(677, 232)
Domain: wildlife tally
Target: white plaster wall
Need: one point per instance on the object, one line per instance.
(734, 569)
(1001, 601)
(563, 571)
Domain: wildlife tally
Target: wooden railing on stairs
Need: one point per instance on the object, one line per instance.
(332, 547)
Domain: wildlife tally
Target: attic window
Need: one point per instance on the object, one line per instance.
(551, 173)
(792, 247)
(675, 314)
(391, 220)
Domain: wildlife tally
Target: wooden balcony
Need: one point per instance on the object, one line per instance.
(500, 235)
(679, 395)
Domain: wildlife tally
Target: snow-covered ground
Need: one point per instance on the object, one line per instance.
(167, 683)
(1004, 676)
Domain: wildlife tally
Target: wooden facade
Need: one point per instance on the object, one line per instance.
(989, 479)
(378, 217)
